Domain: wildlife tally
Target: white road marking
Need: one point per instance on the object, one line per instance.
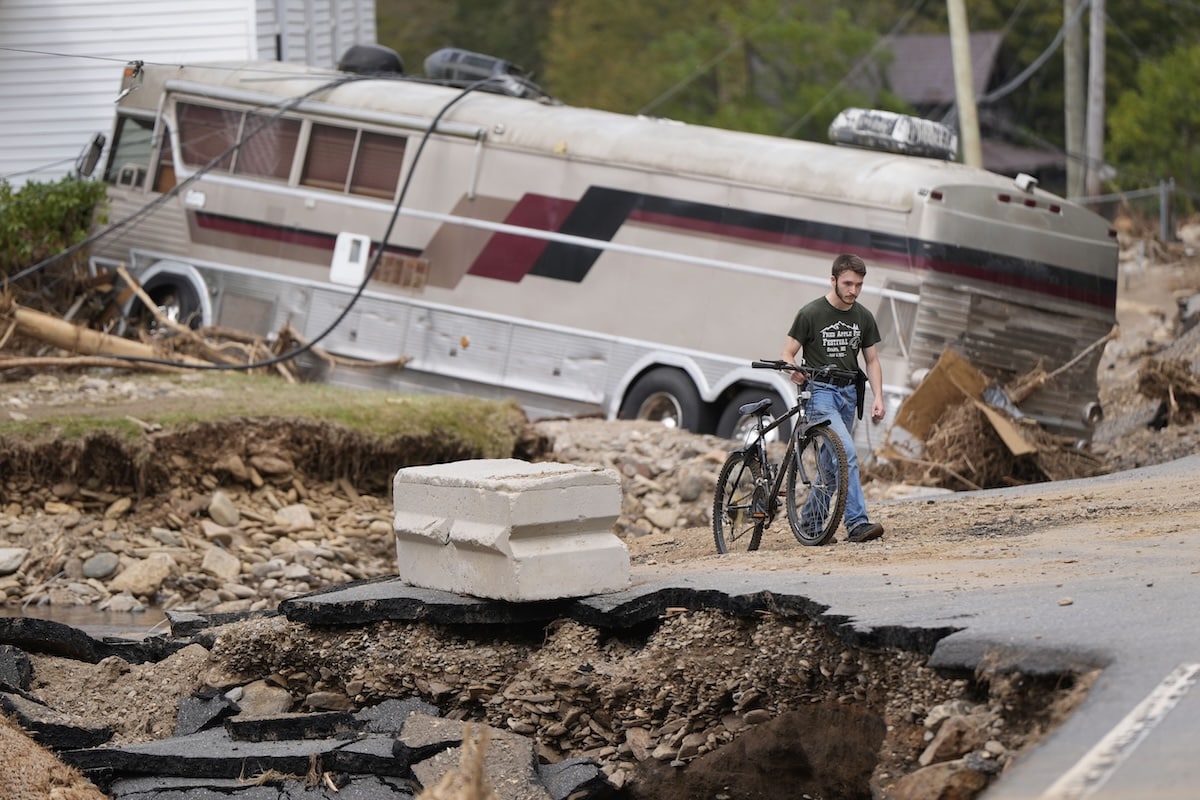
(1098, 764)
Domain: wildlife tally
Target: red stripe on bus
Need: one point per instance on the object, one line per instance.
(508, 257)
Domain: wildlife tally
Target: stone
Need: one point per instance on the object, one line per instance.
(295, 518)
(11, 559)
(144, 577)
(118, 508)
(510, 530)
(101, 565)
(220, 563)
(222, 510)
(949, 779)
(262, 699)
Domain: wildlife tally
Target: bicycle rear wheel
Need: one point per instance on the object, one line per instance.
(734, 523)
(816, 486)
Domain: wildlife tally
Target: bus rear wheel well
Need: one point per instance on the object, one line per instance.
(179, 295)
(667, 395)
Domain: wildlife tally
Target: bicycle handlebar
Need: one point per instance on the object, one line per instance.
(818, 372)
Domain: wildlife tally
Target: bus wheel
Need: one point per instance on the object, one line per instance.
(664, 395)
(732, 425)
(174, 297)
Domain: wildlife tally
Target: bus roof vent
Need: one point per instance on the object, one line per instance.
(895, 133)
(459, 67)
(371, 59)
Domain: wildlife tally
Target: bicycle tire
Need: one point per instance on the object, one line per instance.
(733, 525)
(817, 478)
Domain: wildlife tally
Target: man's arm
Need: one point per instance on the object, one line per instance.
(875, 378)
(791, 348)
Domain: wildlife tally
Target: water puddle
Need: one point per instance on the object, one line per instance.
(96, 623)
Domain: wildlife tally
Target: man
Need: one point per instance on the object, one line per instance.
(833, 330)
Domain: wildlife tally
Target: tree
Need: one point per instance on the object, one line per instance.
(769, 66)
(513, 30)
(1154, 127)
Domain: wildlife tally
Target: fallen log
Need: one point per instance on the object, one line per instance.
(66, 336)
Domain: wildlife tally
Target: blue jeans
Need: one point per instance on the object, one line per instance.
(839, 405)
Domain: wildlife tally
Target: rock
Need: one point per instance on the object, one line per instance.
(11, 559)
(957, 736)
(295, 518)
(101, 565)
(950, 780)
(262, 699)
(220, 563)
(118, 508)
(272, 466)
(222, 510)
(144, 577)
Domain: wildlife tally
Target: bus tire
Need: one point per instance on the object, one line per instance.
(176, 298)
(665, 395)
(732, 425)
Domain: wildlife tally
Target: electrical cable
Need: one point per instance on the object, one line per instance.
(36, 170)
(1037, 63)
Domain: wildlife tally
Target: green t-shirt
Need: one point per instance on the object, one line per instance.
(830, 336)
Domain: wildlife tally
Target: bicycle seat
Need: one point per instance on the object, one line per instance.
(759, 407)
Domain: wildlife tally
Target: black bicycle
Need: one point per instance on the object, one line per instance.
(814, 467)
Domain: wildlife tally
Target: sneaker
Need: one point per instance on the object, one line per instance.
(865, 532)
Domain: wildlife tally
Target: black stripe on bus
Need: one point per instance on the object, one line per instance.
(601, 211)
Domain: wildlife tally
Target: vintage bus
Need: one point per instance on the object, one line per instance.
(582, 262)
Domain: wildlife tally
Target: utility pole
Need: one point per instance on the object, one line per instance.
(1095, 106)
(1073, 93)
(964, 84)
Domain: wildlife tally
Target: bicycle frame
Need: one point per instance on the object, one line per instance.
(799, 435)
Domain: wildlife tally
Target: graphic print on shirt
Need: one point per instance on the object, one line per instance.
(841, 339)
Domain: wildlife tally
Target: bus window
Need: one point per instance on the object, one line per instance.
(374, 158)
(206, 133)
(268, 147)
(129, 160)
(377, 165)
(330, 150)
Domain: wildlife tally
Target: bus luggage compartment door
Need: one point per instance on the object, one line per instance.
(459, 345)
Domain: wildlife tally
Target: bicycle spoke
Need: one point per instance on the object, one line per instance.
(816, 487)
(737, 519)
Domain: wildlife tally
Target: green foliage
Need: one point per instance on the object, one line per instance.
(1155, 124)
(782, 68)
(41, 220)
(513, 30)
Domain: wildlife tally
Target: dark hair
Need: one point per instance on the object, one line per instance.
(848, 262)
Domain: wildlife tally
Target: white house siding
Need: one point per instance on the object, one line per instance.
(61, 60)
(319, 31)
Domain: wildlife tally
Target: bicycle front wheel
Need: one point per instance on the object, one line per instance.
(816, 486)
(735, 522)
